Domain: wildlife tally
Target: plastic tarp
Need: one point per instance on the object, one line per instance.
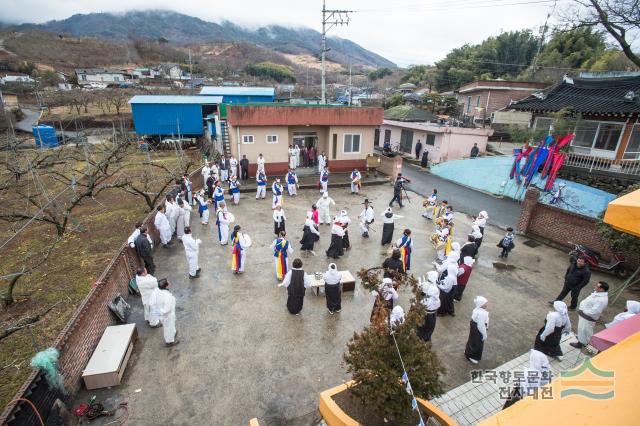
(623, 213)
(614, 370)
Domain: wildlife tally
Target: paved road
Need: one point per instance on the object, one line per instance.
(30, 118)
(503, 212)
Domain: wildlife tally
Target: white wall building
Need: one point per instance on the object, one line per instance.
(87, 76)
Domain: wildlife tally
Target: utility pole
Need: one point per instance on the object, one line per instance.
(350, 86)
(191, 74)
(330, 18)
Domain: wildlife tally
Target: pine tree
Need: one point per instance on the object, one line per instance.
(373, 361)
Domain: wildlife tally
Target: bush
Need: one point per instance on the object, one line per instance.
(270, 70)
(379, 73)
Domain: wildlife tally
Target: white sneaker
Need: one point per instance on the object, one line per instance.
(312, 252)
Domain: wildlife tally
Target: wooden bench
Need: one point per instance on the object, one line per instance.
(109, 360)
(346, 279)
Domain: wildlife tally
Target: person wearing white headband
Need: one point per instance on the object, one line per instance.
(632, 309)
(481, 220)
(324, 205)
(446, 290)
(310, 235)
(336, 248)
(397, 317)
(385, 296)
(464, 272)
(477, 330)
(431, 303)
(332, 289)
(279, 219)
(388, 225)
(345, 220)
(556, 324)
(278, 191)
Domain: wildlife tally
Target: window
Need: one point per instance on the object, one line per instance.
(478, 101)
(83, 77)
(543, 123)
(468, 104)
(585, 133)
(597, 135)
(387, 136)
(633, 147)
(431, 139)
(247, 138)
(351, 144)
(271, 139)
(608, 136)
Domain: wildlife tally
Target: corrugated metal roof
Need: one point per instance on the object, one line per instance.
(587, 96)
(244, 91)
(175, 99)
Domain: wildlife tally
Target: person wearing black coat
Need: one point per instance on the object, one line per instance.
(469, 249)
(576, 277)
(418, 149)
(393, 263)
(425, 159)
(244, 168)
(145, 251)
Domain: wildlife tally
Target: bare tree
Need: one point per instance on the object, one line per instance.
(77, 174)
(153, 180)
(31, 262)
(620, 18)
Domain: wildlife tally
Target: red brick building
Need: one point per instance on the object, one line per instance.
(480, 99)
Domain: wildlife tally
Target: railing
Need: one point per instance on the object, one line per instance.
(590, 162)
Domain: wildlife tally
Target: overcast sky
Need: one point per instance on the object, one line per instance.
(404, 31)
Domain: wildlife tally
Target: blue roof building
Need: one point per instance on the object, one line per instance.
(241, 95)
(172, 115)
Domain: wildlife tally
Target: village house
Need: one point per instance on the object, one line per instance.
(344, 134)
(607, 136)
(9, 100)
(172, 71)
(16, 78)
(406, 125)
(481, 98)
(87, 76)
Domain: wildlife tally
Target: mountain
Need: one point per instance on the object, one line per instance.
(182, 29)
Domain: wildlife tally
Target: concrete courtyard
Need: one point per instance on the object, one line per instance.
(242, 355)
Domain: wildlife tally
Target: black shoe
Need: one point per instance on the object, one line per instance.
(577, 345)
(551, 302)
(193, 277)
(572, 308)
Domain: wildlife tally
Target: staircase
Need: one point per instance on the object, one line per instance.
(224, 134)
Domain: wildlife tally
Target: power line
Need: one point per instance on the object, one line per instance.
(460, 5)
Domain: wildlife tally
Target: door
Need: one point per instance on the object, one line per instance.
(376, 137)
(334, 147)
(406, 141)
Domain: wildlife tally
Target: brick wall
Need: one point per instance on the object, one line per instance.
(77, 341)
(563, 227)
(498, 99)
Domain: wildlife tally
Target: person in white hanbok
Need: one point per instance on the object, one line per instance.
(239, 244)
(260, 163)
(163, 303)
(296, 156)
(367, 217)
(187, 213)
(147, 283)
(203, 207)
(171, 213)
(589, 312)
(322, 162)
(180, 219)
(324, 204)
(162, 225)
(632, 309)
(431, 303)
(233, 167)
(223, 219)
(191, 250)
